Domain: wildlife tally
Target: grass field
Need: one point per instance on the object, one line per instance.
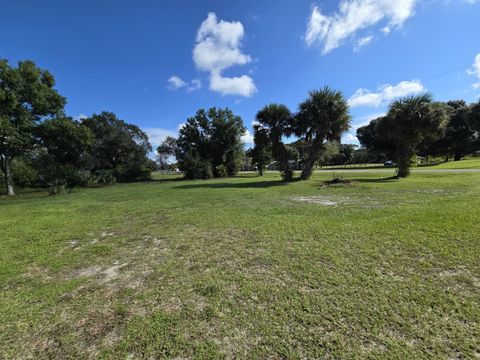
(473, 163)
(245, 267)
(464, 164)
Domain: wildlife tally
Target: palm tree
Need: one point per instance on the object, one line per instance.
(276, 119)
(323, 116)
(409, 122)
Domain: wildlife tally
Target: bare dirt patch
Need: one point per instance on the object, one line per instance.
(320, 200)
(112, 272)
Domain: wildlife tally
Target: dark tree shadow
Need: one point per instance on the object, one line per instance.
(377, 180)
(241, 185)
(177, 179)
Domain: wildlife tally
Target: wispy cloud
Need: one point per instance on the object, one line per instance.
(385, 94)
(157, 135)
(330, 31)
(175, 83)
(363, 42)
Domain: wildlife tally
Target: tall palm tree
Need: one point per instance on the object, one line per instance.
(323, 116)
(276, 119)
(409, 122)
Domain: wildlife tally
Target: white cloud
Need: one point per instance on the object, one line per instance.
(385, 93)
(217, 49)
(175, 83)
(80, 117)
(349, 138)
(247, 138)
(385, 30)
(353, 16)
(362, 42)
(157, 135)
(475, 71)
(196, 84)
(242, 85)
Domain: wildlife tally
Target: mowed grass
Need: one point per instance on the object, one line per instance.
(463, 164)
(245, 267)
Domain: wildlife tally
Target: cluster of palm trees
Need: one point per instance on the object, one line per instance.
(411, 122)
(323, 116)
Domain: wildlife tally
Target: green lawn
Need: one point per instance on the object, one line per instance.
(463, 164)
(246, 267)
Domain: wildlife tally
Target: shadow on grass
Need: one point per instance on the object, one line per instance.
(176, 179)
(377, 180)
(241, 185)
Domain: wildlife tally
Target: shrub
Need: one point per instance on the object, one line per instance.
(23, 174)
(106, 177)
(221, 171)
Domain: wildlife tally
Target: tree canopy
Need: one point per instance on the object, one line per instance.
(323, 116)
(27, 95)
(209, 144)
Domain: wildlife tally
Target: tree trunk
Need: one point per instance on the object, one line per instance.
(403, 158)
(457, 157)
(260, 170)
(287, 172)
(307, 169)
(7, 175)
(313, 156)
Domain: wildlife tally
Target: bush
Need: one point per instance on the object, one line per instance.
(106, 177)
(221, 171)
(56, 189)
(195, 168)
(23, 174)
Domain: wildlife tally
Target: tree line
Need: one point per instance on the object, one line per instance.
(41, 146)
(209, 144)
(419, 126)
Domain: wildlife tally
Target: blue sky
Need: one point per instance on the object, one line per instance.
(154, 63)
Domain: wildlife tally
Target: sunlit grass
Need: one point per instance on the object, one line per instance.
(245, 267)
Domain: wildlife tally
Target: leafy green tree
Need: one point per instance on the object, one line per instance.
(474, 120)
(303, 148)
(459, 136)
(330, 151)
(120, 149)
(165, 151)
(209, 144)
(292, 153)
(323, 116)
(27, 95)
(410, 122)
(68, 144)
(276, 120)
(379, 148)
(225, 146)
(262, 151)
(346, 152)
